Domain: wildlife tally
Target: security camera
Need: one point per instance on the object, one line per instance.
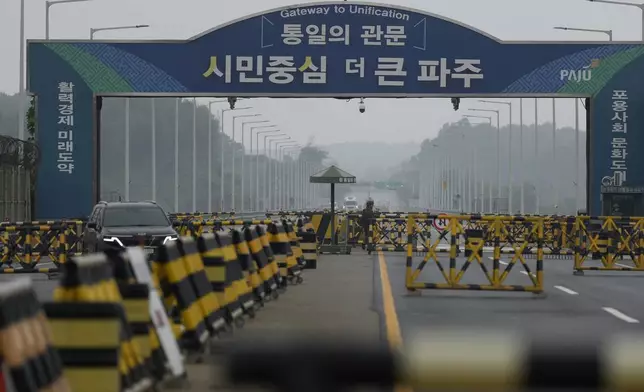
(361, 106)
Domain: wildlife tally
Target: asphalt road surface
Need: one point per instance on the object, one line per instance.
(593, 305)
(361, 295)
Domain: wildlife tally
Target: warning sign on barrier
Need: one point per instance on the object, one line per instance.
(440, 223)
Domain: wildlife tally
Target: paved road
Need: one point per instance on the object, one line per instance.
(347, 295)
(595, 304)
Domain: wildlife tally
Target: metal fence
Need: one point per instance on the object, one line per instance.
(18, 162)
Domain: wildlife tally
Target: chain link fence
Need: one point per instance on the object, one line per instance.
(18, 163)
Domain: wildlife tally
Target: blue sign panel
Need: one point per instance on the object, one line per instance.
(340, 49)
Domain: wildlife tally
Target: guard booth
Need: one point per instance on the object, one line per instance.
(332, 176)
(622, 201)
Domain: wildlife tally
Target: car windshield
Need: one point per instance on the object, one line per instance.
(350, 203)
(134, 216)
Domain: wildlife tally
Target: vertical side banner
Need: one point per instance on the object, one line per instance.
(616, 134)
(65, 139)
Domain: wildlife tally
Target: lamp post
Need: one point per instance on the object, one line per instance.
(607, 32)
(433, 194)
(280, 156)
(482, 208)
(233, 156)
(222, 143)
(194, 155)
(177, 103)
(498, 155)
(289, 173)
(274, 190)
(93, 30)
(49, 4)
(254, 204)
(510, 177)
(243, 160)
(210, 147)
(269, 177)
(640, 6)
(257, 207)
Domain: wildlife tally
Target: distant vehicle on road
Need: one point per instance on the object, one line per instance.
(117, 225)
(350, 204)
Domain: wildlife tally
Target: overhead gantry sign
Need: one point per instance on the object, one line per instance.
(340, 49)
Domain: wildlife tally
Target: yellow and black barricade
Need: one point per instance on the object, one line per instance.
(499, 229)
(290, 269)
(245, 286)
(234, 272)
(272, 261)
(91, 279)
(216, 258)
(87, 336)
(137, 310)
(309, 247)
(26, 348)
(617, 243)
(192, 317)
(322, 226)
(294, 242)
(261, 261)
(210, 307)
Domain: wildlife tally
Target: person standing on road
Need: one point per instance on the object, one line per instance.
(365, 221)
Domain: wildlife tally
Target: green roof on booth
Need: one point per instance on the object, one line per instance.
(333, 175)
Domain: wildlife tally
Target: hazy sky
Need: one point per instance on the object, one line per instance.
(330, 121)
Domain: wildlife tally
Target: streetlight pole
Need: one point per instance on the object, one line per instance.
(640, 6)
(222, 143)
(498, 156)
(127, 150)
(93, 31)
(577, 177)
(482, 209)
(48, 5)
(233, 156)
(21, 77)
(210, 150)
(254, 205)
(510, 176)
(554, 152)
(177, 102)
(257, 208)
(433, 193)
(194, 155)
(288, 170)
(607, 32)
(243, 160)
(536, 177)
(281, 169)
(269, 177)
(153, 114)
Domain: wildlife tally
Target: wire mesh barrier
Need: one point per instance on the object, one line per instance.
(18, 162)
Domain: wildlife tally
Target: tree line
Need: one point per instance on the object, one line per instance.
(551, 172)
(112, 164)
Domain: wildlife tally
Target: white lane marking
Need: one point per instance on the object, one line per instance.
(624, 265)
(531, 274)
(500, 261)
(566, 290)
(621, 315)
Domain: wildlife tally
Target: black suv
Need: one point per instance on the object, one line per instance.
(116, 225)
